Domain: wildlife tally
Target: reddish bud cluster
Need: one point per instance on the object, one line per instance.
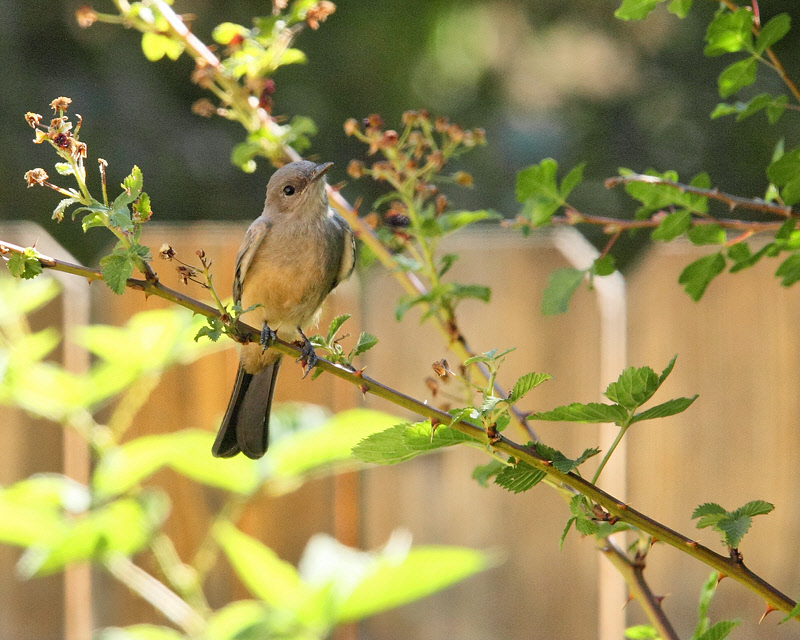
(319, 13)
(85, 16)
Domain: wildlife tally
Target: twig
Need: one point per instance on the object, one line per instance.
(408, 281)
(633, 574)
(724, 564)
(733, 202)
(156, 593)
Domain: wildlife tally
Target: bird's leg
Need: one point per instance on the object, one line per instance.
(308, 357)
(268, 336)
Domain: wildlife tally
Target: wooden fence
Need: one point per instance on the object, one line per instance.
(738, 348)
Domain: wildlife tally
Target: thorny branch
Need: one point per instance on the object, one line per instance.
(726, 565)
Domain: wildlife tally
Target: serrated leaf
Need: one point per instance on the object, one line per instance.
(336, 324)
(561, 284)
(635, 9)
(666, 409)
(24, 265)
(520, 477)
(586, 527)
(593, 412)
(708, 508)
(365, 342)
(526, 383)
(562, 462)
(773, 31)
(564, 533)
(633, 387)
(447, 261)
(477, 291)
(702, 234)
(696, 277)
(672, 226)
(736, 76)
(116, 268)
(755, 508)
(734, 529)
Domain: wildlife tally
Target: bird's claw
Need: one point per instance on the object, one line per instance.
(308, 357)
(268, 337)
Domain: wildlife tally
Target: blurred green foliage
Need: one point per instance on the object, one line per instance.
(544, 78)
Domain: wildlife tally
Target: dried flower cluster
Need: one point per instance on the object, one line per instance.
(412, 161)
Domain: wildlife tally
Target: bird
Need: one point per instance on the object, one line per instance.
(292, 256)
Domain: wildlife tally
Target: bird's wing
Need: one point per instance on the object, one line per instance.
(252, 240)
(348, 262)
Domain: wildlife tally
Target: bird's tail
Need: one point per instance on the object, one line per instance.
(245, 426)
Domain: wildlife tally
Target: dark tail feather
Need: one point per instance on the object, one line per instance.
(245, 426)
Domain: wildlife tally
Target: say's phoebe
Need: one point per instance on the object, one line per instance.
(293, 255)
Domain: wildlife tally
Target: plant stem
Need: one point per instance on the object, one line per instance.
(724, 564)
(610, 451)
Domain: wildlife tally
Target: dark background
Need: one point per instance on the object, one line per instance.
(544, 78)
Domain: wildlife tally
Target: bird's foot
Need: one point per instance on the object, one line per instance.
(268, 336)
(308, 357)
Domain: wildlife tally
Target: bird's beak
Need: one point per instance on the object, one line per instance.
(320, 170)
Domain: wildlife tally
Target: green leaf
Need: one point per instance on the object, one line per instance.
(116, 268)
(593, 412)
(240, 620)
(265, 575)
(139, 632)
(666, 409)
(572, 180)
(724, 109)
(736, 76)
(734, 529)
(719, 631)
(561, 284)
(61, 207)
(753, 106)
(672, 226)
(483, 473)
(323, 446)
(526, 383)
(795, 612)
(446, 261)
(641, 632)
(776, 108)
(730, 32)
(699, 274)
(706, 234)
(755, 508)
(680, 7)
(227, 31)
(520, 477)
(773, 31)
(635, 9)
(385, 447)
(365, 342)
(633, 387)
(708, 508)
(789, 270)
(155, 46)
(603, 266)
(562, 462)
(391, 582)
(564, 533)
(336, 324)
(454, 220)
(784, 172)
(124, 526)
(538, 192)
(476, 291)
(25, 265)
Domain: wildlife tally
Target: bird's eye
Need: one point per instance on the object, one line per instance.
(288, 190)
